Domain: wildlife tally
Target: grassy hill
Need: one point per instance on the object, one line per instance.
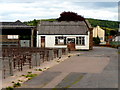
(105, 24)
(110, 25)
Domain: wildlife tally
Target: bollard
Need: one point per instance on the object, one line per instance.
(38, 59)
(21, 62)
(30, 65)
(51, 54)
(3, 68)
(14, 62)
(55, 53)
(43, 55)
(66, 51)
(59, 53)
(29, 60)
(32, 59)
(47, 55)
(35, 58)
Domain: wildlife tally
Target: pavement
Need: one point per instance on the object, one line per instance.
(7, 82)
(97, 68)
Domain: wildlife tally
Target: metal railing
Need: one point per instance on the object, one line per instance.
(115, 44)
(17, 58)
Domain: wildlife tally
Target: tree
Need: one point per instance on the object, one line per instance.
(35, 22)
(70, 16)
(113, 32)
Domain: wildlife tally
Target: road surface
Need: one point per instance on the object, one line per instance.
(97, 68)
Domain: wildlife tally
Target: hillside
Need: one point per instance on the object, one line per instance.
(105, 24)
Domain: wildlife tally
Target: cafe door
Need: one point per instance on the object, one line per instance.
(71, 43)
(42, 41)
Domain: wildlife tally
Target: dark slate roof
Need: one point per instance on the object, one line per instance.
(64, 28)
(14, 25)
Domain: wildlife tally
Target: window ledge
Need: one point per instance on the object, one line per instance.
(59, 44)
(80, 45)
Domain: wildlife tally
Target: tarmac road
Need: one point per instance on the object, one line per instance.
(97, 68)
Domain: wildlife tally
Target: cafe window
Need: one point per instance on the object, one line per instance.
(60, 40)
(80, 40)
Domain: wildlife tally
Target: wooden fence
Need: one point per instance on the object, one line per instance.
(16, 59)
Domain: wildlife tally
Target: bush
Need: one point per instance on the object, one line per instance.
(9, 88)
(96, 40)
(17, 84)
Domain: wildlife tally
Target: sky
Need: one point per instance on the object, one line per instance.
(26, 10)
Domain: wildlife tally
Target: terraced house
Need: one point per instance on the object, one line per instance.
(16, 34)
(76, 35)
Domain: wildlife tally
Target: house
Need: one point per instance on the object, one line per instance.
(115, 41)
(16, 34)
(97, 31)
(116, 38)
(76, 35)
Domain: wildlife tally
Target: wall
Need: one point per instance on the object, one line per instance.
(50, 41)
(5, 41)
(25, 43)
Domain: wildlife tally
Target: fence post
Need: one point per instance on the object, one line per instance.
(11, 66)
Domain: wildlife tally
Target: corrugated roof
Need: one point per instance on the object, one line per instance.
(18, 23)
(72, 28)
(14, 25)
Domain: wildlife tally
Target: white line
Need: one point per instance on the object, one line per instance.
(56, 80)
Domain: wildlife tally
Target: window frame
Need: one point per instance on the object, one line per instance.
(80, 40)
(58, 38)
(12, 36)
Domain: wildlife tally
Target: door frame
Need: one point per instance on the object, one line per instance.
(71, 45)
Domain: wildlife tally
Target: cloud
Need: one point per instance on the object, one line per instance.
(29, 1)
(33, 9)
(106, 4)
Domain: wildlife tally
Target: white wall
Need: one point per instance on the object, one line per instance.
(50, 41)
(117, 38)
(97, 31)
(86, 43)
(38, 40)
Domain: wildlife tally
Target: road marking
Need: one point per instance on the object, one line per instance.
(56, 80)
